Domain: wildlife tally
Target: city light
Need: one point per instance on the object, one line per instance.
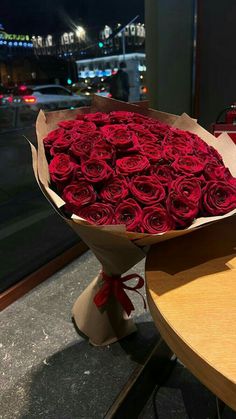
(100, 44)
(80, 32)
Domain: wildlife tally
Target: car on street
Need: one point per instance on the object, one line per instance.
(48, 97)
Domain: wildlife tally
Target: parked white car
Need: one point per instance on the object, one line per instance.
(50, 96)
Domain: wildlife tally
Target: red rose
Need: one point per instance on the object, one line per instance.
(181, 209)
(139, 129)
(103, 150)
(100, 214)
(77, 195)
(159, 129)
(52, 137)
(189, 165)
(114, 190)
(121, 117)
(181, 140)
(176, 145)
(140, 119)
(84, 127)
(123, 140)
(96, 170)
(188, 187)
(68, 125)
(175, 134)
(153, 152)
(147, 138)
(147, 189)
(90, 136)
(203, 157)
(61, 168)
(99, 118)
(132, 165)
(214, 153)
(63, 143)
(129, 213)
(156, 220)
(216, 171)
(106, 130)
(199, 146)
(219, 197)
(81, 149)
(164, 174)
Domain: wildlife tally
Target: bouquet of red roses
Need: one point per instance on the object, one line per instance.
(123, 179)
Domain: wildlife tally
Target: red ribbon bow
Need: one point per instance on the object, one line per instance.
(116, 285)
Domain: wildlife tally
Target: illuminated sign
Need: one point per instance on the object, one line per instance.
(14, 37)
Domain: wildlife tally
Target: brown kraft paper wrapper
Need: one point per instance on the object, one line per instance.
(111, 323)
(115, 248)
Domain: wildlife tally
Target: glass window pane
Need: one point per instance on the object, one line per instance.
(31, 232)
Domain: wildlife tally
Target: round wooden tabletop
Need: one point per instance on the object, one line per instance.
(191, 291)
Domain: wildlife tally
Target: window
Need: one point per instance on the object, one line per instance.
(64, 92)
(54, 90)
(31, 233)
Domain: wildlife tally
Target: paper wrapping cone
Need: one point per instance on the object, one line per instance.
(115, 248)
(108, 325)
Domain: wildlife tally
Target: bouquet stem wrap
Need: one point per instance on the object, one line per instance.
(116, 249)
(109, 322)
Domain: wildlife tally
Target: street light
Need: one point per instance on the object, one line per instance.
(80, 32)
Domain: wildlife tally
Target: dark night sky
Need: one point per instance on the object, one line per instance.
(48, 16)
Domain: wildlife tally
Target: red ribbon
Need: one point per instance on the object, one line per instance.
(116, 285)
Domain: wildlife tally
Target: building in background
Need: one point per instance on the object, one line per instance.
(15, 50)
(85, 42)
(99, 70)
(56, 57)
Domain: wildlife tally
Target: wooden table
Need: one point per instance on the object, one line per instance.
(191, 291)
